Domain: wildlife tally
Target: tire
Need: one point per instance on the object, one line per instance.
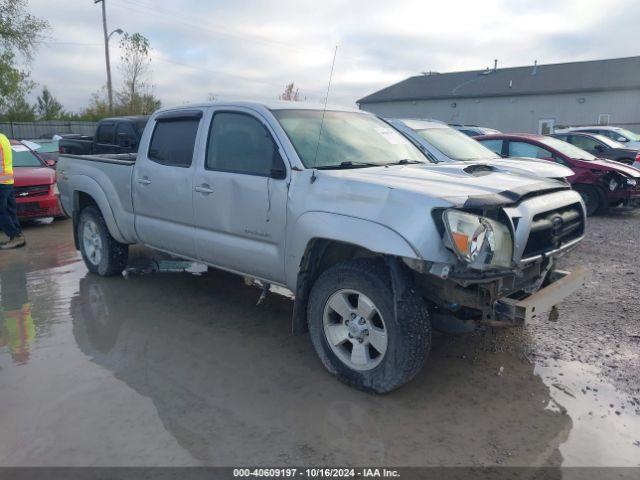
(408, 333)
(101, 253)
(591, 198)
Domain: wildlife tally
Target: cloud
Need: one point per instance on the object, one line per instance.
(251, 49)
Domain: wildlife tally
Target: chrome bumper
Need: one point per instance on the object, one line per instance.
(563, 284)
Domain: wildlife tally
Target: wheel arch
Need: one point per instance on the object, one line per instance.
(335, 238)
(88, 192)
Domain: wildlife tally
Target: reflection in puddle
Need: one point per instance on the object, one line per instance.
(606, 421)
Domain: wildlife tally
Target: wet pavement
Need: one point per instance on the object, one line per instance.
(182, 368)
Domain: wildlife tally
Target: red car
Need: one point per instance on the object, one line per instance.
(35, 184)
(602, 183)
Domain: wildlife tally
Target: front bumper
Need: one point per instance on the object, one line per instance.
(40, 206)
(562, 284)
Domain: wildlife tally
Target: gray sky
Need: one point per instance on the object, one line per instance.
(251, 49)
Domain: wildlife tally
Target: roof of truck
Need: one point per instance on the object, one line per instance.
(269, 105)
(131, 118)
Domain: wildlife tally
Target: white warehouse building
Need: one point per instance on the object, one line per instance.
(531, 99)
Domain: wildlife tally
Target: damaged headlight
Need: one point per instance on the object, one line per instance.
(479, 240)
(621, 181)
(613, 184)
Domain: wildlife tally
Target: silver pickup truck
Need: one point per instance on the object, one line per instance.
(377, 243)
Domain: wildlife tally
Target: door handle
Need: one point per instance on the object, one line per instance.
(204, 188)
(144, 181)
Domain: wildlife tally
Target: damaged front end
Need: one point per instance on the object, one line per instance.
(506, 270)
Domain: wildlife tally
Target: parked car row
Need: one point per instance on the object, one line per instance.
(602, 183)
(601, 173)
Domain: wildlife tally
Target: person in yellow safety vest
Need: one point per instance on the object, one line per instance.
(9, 223)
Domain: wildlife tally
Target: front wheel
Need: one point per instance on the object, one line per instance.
(100, 251)
(358, 332)
(590, 197)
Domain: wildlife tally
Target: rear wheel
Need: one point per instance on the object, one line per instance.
(100, 251)
(358, 332)
(590, 197)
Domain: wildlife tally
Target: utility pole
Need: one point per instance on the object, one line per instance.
(106, 52)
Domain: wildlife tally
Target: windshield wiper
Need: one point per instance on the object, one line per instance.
(348, 164)
(404, 161)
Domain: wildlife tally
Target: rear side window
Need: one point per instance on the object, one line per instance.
(586, 143)
(240, 143)
(173, 141)
(106, 133)
(522, 149)
(493, 145)
(126, 129)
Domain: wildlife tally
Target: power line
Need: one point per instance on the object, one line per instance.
(172, 16)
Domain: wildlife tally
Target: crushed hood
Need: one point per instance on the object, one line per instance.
(603, 164)
(467, 184)
(542, 168)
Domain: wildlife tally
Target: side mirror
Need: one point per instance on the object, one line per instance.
(278, 173)
(50, 163)
(622, 139)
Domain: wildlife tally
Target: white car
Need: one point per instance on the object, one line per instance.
(443, 143)
(622, 135)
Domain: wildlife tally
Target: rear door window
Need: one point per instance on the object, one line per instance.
(585, 143)
(493, 145)
(125, 129)
(173, 141)
(523, 149)
(106, 133)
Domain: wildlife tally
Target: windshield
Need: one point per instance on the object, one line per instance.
(347, 138)
(634, 137)
(23, 157)
(567, 149)
(608, 142)
(456, 145)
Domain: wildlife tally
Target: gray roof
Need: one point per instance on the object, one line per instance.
(596, 75)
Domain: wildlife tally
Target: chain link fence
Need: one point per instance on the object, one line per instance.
(45, 129)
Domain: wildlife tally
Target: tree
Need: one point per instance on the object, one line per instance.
(98, 106)
(14, 83)
(290, 93)
(19, 110)
(136, 95)
(47, 106)
(20, 34)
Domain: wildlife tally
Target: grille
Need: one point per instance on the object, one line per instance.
(31, 210)
(553, 229)
(32, 191)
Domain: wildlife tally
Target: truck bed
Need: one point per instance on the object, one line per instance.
(107, 179)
